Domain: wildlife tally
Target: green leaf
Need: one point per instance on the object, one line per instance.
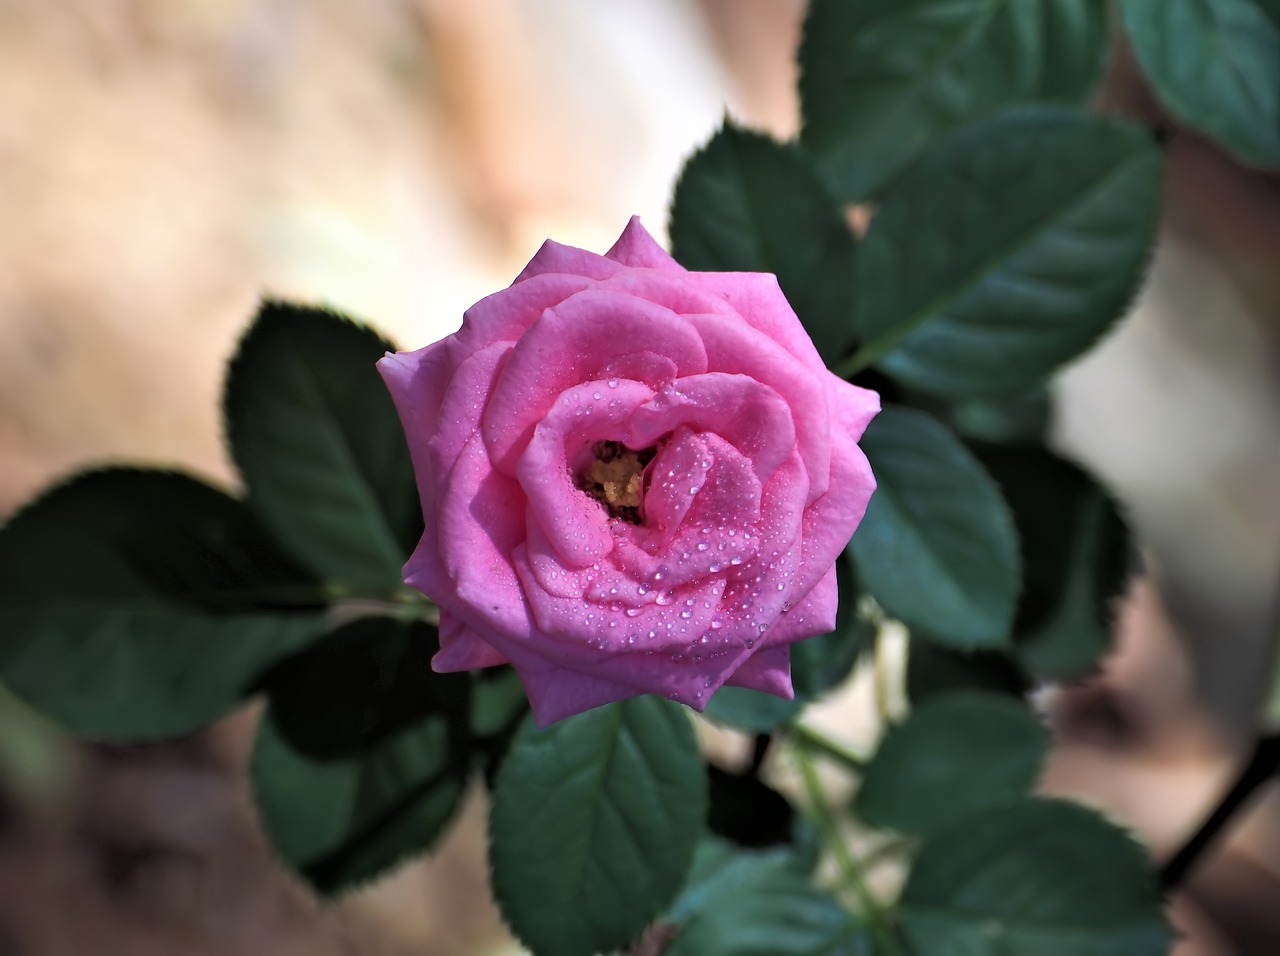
(142, 605)
(342, 821)
(746, 203)
(318, 442)
(1007, 250)
(818, 665)
(1215, 64)
(1043, 878)
(594, 824)
(363, 683)
(933, 671)
(951, 757)
(937, 547)
(752, 710)
(1076, 551)
(742, 903)
(881, 79)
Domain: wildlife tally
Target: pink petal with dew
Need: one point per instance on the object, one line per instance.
(565, 347)
(575, 524)
(758, 299)
(750, 416)
(671, 620)
(765, 585)
(636, 248)
(504, 316)
(717, 531)
(768, 670)
(811, 615)
(459, 416)
(670, 290)
(831, 521)
(734, 346)
(462, 649)
(554, 258)
(481, 521)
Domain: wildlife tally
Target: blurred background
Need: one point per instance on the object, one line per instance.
(165, 163)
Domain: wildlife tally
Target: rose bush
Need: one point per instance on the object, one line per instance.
(635, 478)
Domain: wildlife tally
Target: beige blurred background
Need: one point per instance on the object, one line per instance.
(164, 163)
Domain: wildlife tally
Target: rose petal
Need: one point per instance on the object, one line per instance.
(563, 347)
(671, 290)
(459, 414)
(758, 299)
(556, 692)
(576, 525)
(852, 407)
(481, 521)
(830, 521)
(552, 257)
(768, 670)
(462, 649)
(813, 614)
(734, 346)
(504, 316)
(751, 416)
(636, 248)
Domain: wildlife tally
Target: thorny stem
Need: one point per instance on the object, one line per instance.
(850, 872)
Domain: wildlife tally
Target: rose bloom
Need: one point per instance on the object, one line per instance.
(635, 478)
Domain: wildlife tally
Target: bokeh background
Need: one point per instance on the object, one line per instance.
(165, 163)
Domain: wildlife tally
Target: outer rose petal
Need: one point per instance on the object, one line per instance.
(567, 260)
(636, 248)
(757, 297)
(768, 670)
(462, 649)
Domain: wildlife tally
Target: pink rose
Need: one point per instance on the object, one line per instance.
(636, 479)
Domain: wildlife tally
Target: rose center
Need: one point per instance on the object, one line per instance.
(614, 477)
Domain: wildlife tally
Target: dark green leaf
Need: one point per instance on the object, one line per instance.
(746, 203)
(1043, 878)
(318, 442)
(340, 822)
(1017, 419)
(937, 547)
(952, 756)
(742, 903)
(752, 710)
(594, 824)
(1215, 64)
(933, 671)
(1007, 250)
(361, 684)
(141, 605)
(881, 79)
(1075, 550)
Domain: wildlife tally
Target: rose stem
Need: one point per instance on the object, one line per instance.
(850, 872)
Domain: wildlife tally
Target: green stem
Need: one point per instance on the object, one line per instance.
(817, 741)
(850, 872)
